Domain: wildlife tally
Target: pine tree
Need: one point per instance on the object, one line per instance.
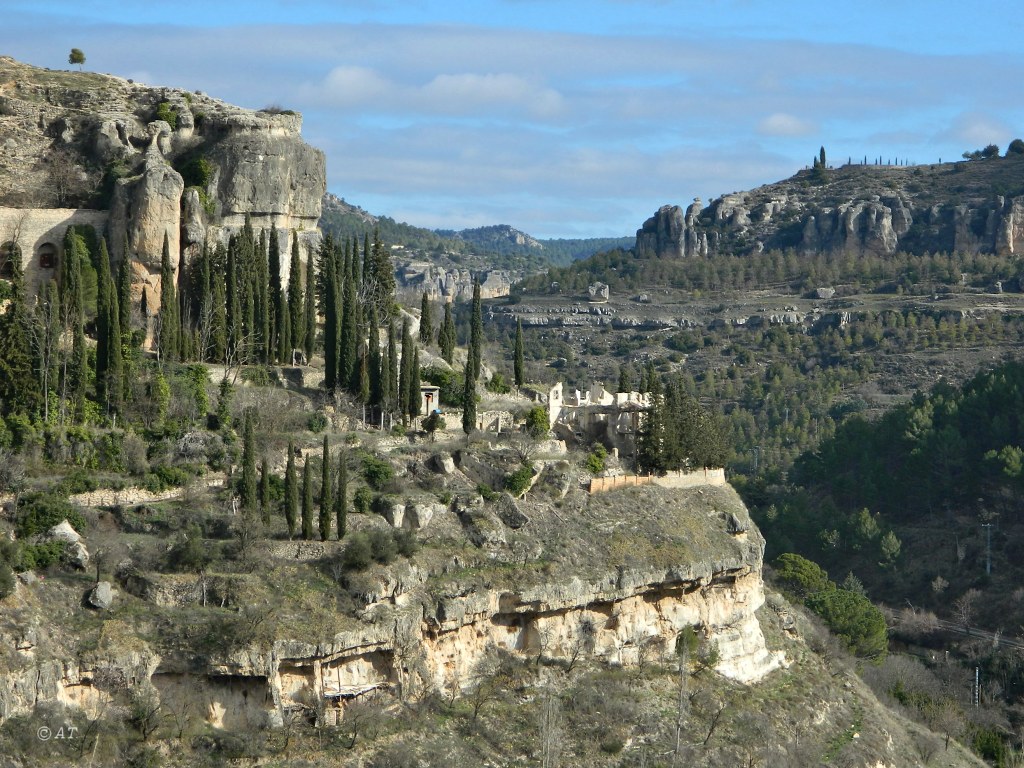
(249, 490)
(296, 316)
(517, 355)
(307, 502)
(476, 331)
(169, 324)
(265, 490)
(426, 321)
(326, 498)
(341, 497)
(446, 337)
(309, 309)
(469, 399)
(405, 373)
(291, 492)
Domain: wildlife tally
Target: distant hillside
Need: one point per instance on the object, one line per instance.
(499, 246)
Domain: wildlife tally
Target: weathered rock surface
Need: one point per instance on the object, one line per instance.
(442, 284)
(101, 596)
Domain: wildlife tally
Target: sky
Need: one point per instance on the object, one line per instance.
(567, 118)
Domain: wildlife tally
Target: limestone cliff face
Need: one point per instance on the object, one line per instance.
(423, 630)
(856, 210)
(153, 162)
(443, 284)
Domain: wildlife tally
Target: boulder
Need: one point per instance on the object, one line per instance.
(64, 532)
(394, 514)
(101, 596)
(417, 516)
(443, 463)
(27, 578)
(78, 555)
(510, 513)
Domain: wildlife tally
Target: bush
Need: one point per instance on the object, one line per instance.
(6, 580)
(363, 500)
(537, 422)
(518, 482)
(39, 512)
(164, 476)
(377, 472)
(167, 113)
(358, 554)
(595, 461)
(317, 422)
(383, 548)
(33, 557)
(450, 382)
(853, 619)
(406, 543)
(188, 554)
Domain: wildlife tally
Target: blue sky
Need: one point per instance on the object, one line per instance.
(571, 118)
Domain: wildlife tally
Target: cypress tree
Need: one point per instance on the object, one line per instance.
(48, 332)
(263, 308)
(310, 309)
(426, 321)
(291, 492)
(250, 491)
(329, 282)
(76, 374)
(103, 340)
(390, 379)
(276, 308)
(218, 343)
(349, 367)
(341, 497)
(124, 298)
(517, 355)
(375, 366)
(296, 316)
(307, 502)
(326, 498)
(446, 335)
(169, 324)
(363, 392)
(265, 490)
(405, 373)
(414, 387)
(469, 399)
(115, 352)
(19, 387)
(476, 331)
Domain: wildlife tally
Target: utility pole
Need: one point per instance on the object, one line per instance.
(988, 547)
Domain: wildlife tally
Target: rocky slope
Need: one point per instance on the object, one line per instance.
(972, 206)
(158, 161)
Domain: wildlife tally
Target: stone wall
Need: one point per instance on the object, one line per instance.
(35, 229)
(670, 480)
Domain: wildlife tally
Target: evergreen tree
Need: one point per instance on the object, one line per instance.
(329, 282)
(390, 379)
(309, 309)
(291, 492)
(249, 490)
(446, 338)
(379, 279)
(625, 380)
(426, 321)
(104, 294)
(476, 331)
(364, 379)
(265, 490)
(296, 316)
(469, 399)
(218, 342)
(76, 373)
(19, 387)
(349, 367)
(375, 365)
(279, 342)
(124, 298)
(263, 307)
(233, 300)
(307, 502)
(414, 387)
(405, 373)
(341, 497)
(169, 324)
(46, 337)
(115, 351)
(326, 497)
(517, 355)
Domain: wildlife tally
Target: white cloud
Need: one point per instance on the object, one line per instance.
(782, 124)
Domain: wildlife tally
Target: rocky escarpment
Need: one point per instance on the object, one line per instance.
(441, 284)
(621, 588)
(161, 162)
(967, 207)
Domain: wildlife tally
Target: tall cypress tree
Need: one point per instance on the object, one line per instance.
(218, 343)
(375, 365)
(414, 387)
(233, 299)
(517, 354)
(307, 502)
(115, 351)
(326, 497)
(426, 321)
(476, 331)
(329, 284)
(446, 335)
(277, 313)
(348, 354)
(77, 373)
(263, 308)
(291, 492)
(19, 388)
(296, 316)
(469, 399)
(48, 328)
(265, 490)
(124, 298)
(170, 326)
(363, 392)
(309, 309)
(250, 492)
(103, 341)
(391, 378)
(341, 497)
(405, 373)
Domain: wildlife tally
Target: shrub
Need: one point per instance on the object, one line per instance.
(498, 385)
(188, 553)
(450, 382)
(167, 113)
(377, 472)
(537, 422)
(383, 548)
(518, 482)
(39, 512)
(358, 554)
(40, 556)
(595, 461)
(76, 481)
(6, 580)
(164, 476)
(406, 543)
(853, 619)
(363, 500)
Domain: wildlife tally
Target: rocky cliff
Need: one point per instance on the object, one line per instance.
(970, 207)
(157, 161)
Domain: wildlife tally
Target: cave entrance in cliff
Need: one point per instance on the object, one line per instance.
(47, 255)
(9, 251)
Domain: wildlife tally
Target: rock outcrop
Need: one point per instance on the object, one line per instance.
(442, 284)
(857, 210)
